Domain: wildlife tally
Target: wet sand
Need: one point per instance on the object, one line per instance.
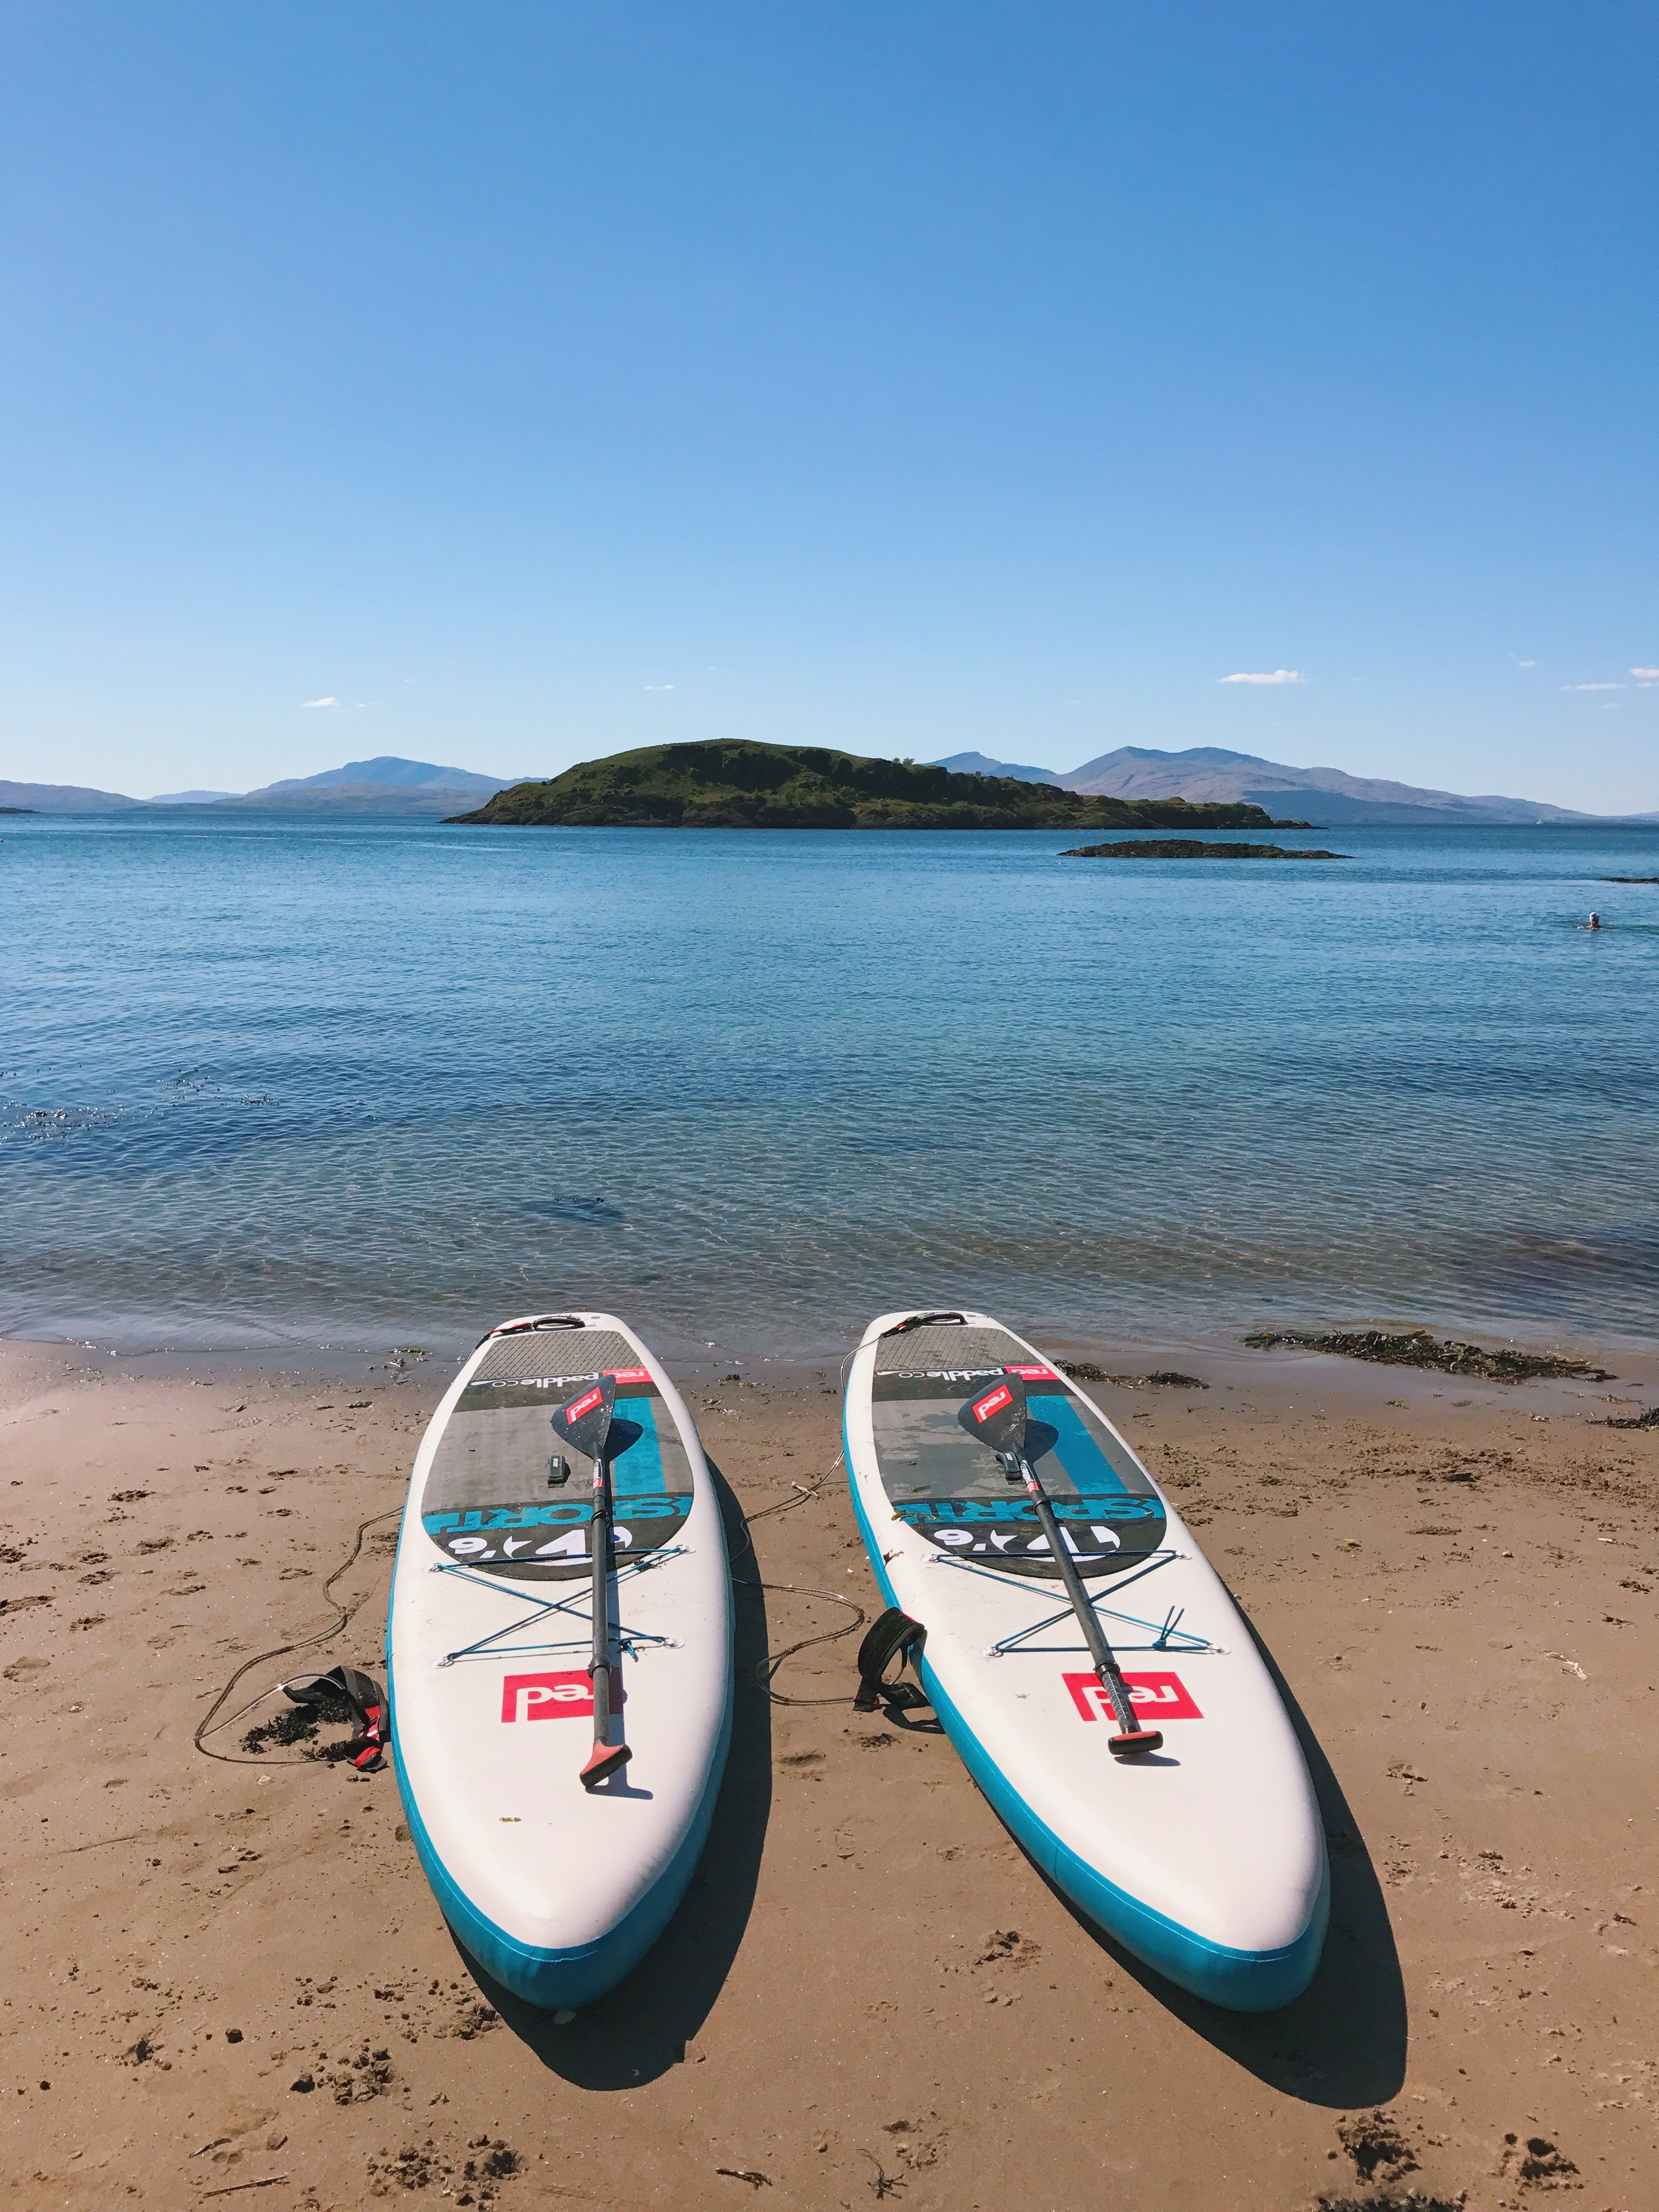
(870, 1993)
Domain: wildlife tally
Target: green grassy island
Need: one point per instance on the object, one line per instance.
(736, 784)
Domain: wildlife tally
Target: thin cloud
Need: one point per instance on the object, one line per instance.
(1592, 687)
(658, 686)
(319, 702)
(1529, 663)
(1275, 676)
(1646, 674)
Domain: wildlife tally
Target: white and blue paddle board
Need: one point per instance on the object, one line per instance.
(1205, 1858)
(557, 1891)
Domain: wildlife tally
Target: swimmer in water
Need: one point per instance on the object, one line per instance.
(1595, 922)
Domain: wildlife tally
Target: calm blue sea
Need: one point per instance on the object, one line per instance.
(284, 1083)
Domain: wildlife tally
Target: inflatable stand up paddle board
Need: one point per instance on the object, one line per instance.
(559, 1654)
(1166, 1795)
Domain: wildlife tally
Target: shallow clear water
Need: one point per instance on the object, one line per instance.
(283, 1082)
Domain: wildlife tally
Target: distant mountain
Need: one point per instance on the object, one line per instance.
(1330, 795)
(64, 799)
(1210, 774)
(387, 768)
(982, 764)
(189, 797)
(385, 784)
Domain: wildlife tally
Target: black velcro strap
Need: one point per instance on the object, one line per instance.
(366, 1701)
(895, 1636)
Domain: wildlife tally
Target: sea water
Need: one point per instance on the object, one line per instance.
(279, 1082)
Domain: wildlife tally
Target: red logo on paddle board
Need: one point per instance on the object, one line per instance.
(992, 1402)
(630, 1374)
(1154, 1697)
(585, 1404)
(566, 1697)
(1035, 1374)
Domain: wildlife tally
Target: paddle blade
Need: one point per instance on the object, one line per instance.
(604, 1761)
(996, 1414)
(583, 1421)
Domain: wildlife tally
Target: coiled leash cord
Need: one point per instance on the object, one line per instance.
(767, 1671)
(210, 1724)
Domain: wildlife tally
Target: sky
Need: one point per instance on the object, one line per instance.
(505, 385)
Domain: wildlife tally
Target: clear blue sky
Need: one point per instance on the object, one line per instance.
(537, 381)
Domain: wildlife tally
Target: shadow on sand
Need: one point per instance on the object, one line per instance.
(1343, 2042)
(642, 2027)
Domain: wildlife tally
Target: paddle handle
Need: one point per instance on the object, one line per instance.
(1111, 1674)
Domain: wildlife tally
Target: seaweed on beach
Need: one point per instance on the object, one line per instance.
(1647, 1420)
(1413, 2200)
(1163, 1378)
(1417, 1348)
(298, 1724)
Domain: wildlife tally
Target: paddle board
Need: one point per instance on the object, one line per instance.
(1206, 1858)
(555, 1889)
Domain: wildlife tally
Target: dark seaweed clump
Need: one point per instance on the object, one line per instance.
(1169, 1378)
(299, 1724)
(1648, 1420)
(1417, 1348)
(1413, 2200)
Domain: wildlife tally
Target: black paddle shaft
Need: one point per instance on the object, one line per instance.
(996, 1415)
(584, 1422)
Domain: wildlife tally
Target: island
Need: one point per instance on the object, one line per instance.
(1194, 848)
(743, 784)
(16, 810)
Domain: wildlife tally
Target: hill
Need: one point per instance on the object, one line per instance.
(982, 764)
(737, 784)
(63, 798)
(1211, 775)
(385, 784)
(1209, 772)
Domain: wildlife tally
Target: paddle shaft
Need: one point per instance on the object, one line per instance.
(599, 1665)
(1106, 1667)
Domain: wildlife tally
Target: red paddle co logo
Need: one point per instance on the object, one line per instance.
(566, 1697)
(1154, 1697)
(992, 1402)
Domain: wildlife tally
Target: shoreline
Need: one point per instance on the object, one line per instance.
(868, 1977)
(1215, 1355)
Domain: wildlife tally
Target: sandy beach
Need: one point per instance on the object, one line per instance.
(229, 1981)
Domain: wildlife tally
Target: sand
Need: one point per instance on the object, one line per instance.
(870, 1993)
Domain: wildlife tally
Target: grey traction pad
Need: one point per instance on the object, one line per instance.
(948, 1346)
(541, 1355)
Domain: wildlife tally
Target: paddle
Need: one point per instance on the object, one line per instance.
(996, 1415)
(584, 1422)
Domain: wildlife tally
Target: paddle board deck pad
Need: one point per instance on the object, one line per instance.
(556, 1890)
(1205, 1858)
